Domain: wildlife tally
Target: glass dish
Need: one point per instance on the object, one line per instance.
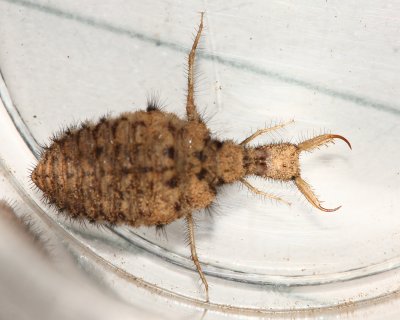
(263, 64)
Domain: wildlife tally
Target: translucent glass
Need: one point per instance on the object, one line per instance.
(329, 68)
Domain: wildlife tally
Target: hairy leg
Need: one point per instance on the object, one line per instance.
(263, 131)
(191, 111)
(190, 224)
(256, 191)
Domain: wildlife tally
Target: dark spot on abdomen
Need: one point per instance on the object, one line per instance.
(202, 174)
(177, 206)
(172, 183)
(99, 151)
(169, 152)
(218, 144)
(200, 155)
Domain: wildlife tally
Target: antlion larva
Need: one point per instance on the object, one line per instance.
(149, 168)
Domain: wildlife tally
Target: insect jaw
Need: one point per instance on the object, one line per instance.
(305, 189)
(281, 162)
(303, 186)
(321, 140)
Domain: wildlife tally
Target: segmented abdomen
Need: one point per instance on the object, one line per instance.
(120, 170)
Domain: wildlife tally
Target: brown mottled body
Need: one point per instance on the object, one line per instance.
(151, 167)
(142, 168)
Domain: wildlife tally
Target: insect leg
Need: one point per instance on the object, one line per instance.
(190, 224)
(256, 191)
(263, 131)
(191, 111)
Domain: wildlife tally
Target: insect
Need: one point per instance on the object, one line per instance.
(149, 168)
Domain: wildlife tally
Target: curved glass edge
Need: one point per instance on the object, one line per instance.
(383, 279)
(209, 269)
